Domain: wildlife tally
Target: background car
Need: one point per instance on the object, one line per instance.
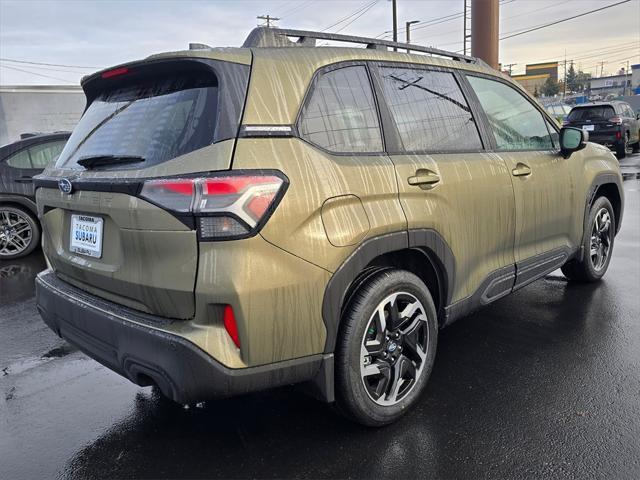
(559, 110)
(613, 124)
(19, 162)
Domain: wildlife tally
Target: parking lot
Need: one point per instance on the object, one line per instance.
(543, 383)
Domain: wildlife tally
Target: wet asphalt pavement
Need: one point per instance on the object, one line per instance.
(543, 383)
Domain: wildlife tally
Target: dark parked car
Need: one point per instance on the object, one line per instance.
(613, 124)
(19, 162)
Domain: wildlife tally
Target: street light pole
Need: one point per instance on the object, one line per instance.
(408, 29)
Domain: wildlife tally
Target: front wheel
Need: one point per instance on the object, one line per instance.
(19, 232)
(598, 245)
(386, 348)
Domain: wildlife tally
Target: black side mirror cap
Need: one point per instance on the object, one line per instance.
(572, 140)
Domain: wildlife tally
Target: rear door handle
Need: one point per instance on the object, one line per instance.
(424, 177)
(521, 170)
(24, 180)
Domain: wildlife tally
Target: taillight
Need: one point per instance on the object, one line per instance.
(616, 120)
(226, 205)
(116, 72)
(230, 325)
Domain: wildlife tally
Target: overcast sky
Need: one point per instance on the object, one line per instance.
(101, 33)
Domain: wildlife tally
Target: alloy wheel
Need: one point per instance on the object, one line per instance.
(16, 233)
(394, 348)
(600, 239)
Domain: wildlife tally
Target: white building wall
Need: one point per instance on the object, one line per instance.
(38, 109)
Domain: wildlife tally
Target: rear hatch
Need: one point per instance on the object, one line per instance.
(598, 120)
(160, 118)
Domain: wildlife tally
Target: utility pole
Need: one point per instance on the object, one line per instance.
(509, 66)
(564, 83)
(627, 79)
(485, 25)
(408, 29)
(465, 36)
(268, 19)
(395, 23)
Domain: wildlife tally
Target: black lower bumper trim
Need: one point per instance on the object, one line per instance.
(125, 341)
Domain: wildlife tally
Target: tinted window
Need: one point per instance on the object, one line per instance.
(629, 111)
(582, 114)
(44, 153)
(157, 120)
(20, 159)
(341, 114)
(516, 123)
(429, 109)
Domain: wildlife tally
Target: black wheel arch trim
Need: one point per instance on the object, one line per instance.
(600, 180)
(19, 200)
(429, 241)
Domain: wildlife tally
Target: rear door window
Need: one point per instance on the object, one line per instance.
(341, 115)
(37, 156)
(44, 153)
(429, 110)
(516, 123)
(157, 120)
(583, 114)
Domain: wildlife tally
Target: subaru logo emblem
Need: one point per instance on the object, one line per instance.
(65, 186)
(392, 347)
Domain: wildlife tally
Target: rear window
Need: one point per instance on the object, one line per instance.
(156, 119)
(582, 114)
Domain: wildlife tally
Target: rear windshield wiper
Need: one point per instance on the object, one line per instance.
(99, 160)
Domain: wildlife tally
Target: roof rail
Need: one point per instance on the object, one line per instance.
(278, 37)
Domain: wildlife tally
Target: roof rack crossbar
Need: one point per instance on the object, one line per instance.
(278, 37)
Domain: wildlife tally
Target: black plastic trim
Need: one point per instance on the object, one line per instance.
(133, 187)
(497, 284)
(128, 343)
(531, 269)
(20, 200)
(338, 286)
(600, 180)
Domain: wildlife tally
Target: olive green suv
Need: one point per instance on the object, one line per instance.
(226, 220)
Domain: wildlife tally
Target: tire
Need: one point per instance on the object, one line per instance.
(385, 293)
(19, 232)
(621, 148)
(635, 148)
(592, 268)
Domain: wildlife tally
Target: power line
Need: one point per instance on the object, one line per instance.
(54, 69)
(539, 27)
(356, 18)
(296, 8)
(38, 74)
(358, 10)
(436, 21)
(47, 64)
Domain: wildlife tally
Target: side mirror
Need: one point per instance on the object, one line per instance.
(572, 140)
(637, 116)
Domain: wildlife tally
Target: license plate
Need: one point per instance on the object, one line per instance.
(86, 235)
(588, 128)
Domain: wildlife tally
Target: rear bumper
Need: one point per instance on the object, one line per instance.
(133, 344)
(607, 139)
